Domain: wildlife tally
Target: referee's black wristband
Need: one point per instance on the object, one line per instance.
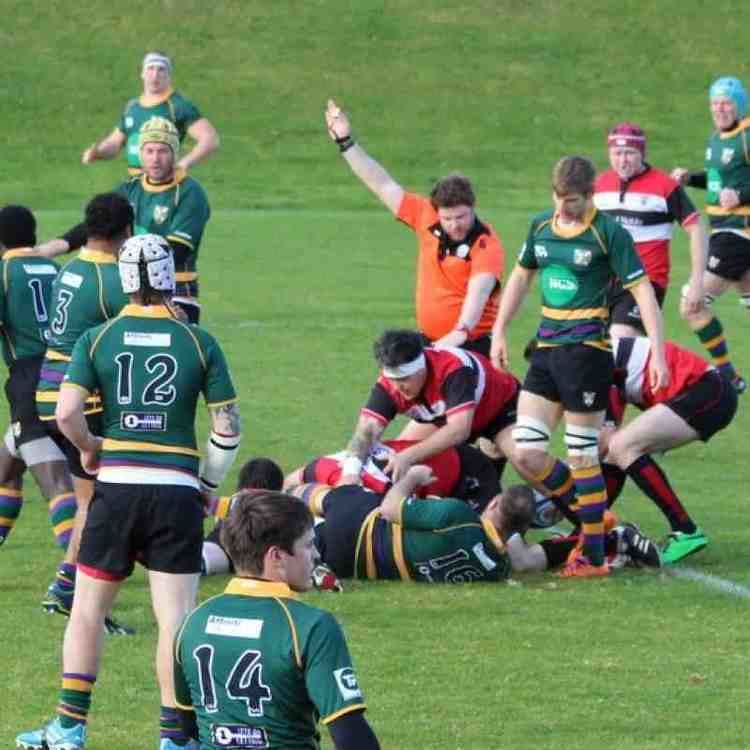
(345, 143)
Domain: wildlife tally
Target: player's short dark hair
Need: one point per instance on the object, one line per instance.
(108, 216)
(260, 474)
(451, 191)
(574, 174)
(17, 227)
(395, 347)
(258, 521)
(518, 508)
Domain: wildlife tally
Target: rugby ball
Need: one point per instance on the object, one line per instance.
(546, 513)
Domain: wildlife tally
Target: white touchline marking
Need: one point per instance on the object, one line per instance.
(691, 574)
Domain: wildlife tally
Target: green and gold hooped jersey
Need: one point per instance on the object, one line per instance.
(86, 292)
(260, 669)
(175, 107)
(150, 370)
(25, 290)
(178, 211)
(435, 541)
(576, 268)
(728, 166)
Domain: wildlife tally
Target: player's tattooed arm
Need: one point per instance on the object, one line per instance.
(366, 433)
(225, 419)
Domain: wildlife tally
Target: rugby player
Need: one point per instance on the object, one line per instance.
(167, 202)
(397, 536)
(579, 251)
(86, 293)
(158, 99)
(460, 260)
(463, 472)
(726, 179)
(453, 396)
(255, 667)
(25, 288)
(150, 369)
(697, 403)
(647, 202)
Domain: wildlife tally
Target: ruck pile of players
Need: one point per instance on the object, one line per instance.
(107, 362)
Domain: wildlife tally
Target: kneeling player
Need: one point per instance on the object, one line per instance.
(697, 403)
(255, 667)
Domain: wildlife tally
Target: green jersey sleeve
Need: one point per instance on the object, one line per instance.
(527, 258)
(218, 387)
(185, 113)
(433, 515)
(122, 125)
(80, 371)
(623, 257)
(329, 675)
(190, 217)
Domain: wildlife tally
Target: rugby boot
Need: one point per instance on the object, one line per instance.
(53, 736)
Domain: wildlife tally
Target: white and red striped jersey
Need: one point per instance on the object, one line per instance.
(647, 206)
(632, 358)
(457, 381)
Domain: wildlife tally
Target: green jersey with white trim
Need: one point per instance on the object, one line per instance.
(434, 541)
(150, 369)
(260, 669)
(178, 211)
(728, 166)
(577, 267)
(172, 105)
(86, 293)
(25, 290)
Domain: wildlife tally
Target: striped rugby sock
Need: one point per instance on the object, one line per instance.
(75, 698)
(712, 338)
(558, 482)
(62, 511)
(11, 502)
(592, 502)
(169, 726)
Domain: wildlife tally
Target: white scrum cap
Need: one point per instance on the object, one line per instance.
(146, 257)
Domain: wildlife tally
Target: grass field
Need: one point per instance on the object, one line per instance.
(301, 270)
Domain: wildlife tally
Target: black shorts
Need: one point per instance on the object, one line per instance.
(504, 418)
(479, 481)
(345, 509)
(707, 406)
(71, 453)
(20, 390)
(160, 526)
(577, 376)
(728, 255)
(624, 309)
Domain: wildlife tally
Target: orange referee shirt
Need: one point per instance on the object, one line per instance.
(442, 282)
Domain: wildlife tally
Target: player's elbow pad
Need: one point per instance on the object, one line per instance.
(217, 460)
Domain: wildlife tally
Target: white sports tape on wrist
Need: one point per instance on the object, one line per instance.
(351, 465)
(220, 453)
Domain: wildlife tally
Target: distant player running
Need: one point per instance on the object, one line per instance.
(150, 370)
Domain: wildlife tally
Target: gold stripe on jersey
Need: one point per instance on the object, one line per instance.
(221, 403)
(295, 638)
(397, 535)
(184, 276)
(741, 126)
(637, 281)
(110, 444)
(6, 336)
(493, 535)
(97, 256)
(362, 541)
(56, 356)
(146, 311)
(258, 587)
(22, 252)
(583, 314)
(178, 176)
(153, 100)
(736, 211)
(574, 231)
(343, 711)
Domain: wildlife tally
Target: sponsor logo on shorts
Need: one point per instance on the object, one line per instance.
(71, 279)
(43, 270)
(140, 338)
(713, 261)
(139, 421)
(160, 214)
(16, 427)
(588, 397)
(238, 735)
(234, 627)
(347, 683)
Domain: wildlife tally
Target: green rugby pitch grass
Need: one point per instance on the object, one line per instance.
(636, 661)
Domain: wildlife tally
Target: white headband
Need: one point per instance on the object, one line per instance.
(406, 369)
(154, 58)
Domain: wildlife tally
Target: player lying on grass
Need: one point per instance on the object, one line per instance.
(697, 403)
(397, 536)
(255, 667)
(463, 472)
(452, 396)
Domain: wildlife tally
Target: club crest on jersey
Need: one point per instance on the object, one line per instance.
(727, 154)
(347, 683)
(540, 251)
(160, 214)
(138, 421)
(128, 122)
(581, 257)
(588, 398)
